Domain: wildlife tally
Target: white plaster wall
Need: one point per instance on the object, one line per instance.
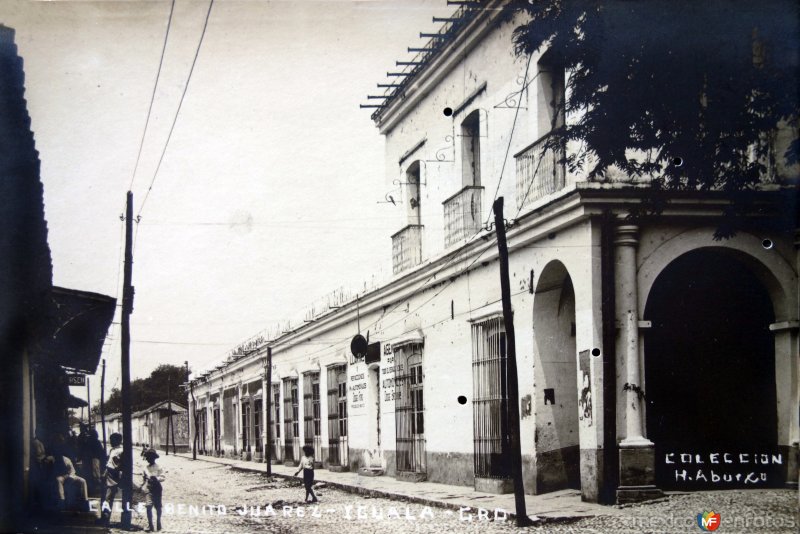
(493, 63)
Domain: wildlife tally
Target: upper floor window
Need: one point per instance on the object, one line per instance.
(414, 193)
(550, 91)
(471, 149)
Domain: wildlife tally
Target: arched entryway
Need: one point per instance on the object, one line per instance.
(710, 372)
(555, 376)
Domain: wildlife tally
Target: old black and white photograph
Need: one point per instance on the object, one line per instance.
(469, 266)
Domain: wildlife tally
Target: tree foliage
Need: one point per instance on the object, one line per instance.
(145, 392)
(693, 88)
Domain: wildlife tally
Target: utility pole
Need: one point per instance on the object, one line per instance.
(126, 483)
(171, 427)
(169, 413)
(89, 403)
(103, 403)
(193, 406)
(268, 393)
(511, 359)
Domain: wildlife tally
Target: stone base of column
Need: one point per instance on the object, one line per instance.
(632, 494)
(338, 468)
(791, 454)
(637, 473)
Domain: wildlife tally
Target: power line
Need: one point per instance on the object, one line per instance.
(153, 95)
(511, 134)
(177, 112)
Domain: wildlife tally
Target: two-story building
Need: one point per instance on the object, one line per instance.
(649, 355)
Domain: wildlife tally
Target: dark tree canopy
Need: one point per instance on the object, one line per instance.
(696, 88)
(145, 392)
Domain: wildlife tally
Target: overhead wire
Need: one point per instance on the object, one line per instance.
(153, 95)
(526, 83)
(513, 127)
(177, 113)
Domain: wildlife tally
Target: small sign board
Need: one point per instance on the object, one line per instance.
(75, 379)
(373, 352)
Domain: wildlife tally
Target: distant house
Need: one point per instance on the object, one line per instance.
(154, 428)
(113, 424)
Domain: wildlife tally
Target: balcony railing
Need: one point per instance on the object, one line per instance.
(539, 172)
(407, 248)
(462, 215)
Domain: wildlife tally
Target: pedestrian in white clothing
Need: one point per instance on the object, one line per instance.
(71, 475)
(152, 477)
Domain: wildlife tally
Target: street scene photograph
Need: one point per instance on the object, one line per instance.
(469, 266)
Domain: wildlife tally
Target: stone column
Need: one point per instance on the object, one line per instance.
(636, 453)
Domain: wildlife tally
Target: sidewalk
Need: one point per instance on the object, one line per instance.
(555, 506)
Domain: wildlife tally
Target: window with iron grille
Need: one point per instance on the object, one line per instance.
(276, 420)
(276, 411)
(216, 430)
(342, 406)
(245, 425)
(311, 413)
(257, 411)
(409, 408)
(202, 427)
(337, 415)
(290, 414)
(490, 399)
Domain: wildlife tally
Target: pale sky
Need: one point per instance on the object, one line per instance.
(268, 195)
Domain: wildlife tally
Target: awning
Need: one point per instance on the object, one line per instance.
(75, 402)
(80, 324)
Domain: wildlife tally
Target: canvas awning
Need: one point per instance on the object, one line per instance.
(80, 322)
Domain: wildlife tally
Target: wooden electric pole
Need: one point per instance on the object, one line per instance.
(89, 402)
(126, 483)
(511, 359)
(268, 393)
(170, 423)
(103, 403)
(193, 406)
(169, 415)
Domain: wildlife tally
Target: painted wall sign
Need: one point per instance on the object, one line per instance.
(76, 379)
(357, 389)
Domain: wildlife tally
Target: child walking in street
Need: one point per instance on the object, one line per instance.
(113, 475)
(307, 466)
(152, 477)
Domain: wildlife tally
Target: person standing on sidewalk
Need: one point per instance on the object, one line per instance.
(112, 478)
(152, 477)
(307, 466)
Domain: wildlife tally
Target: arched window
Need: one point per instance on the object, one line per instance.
(471, 149)
(414, 193)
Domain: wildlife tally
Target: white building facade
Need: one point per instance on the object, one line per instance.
(649, 355)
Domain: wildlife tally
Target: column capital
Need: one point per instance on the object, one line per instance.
(627, 234)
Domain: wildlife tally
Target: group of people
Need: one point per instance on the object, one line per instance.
(66, 462)
(59, 485)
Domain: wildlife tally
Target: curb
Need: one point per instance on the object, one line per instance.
(414, 499)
